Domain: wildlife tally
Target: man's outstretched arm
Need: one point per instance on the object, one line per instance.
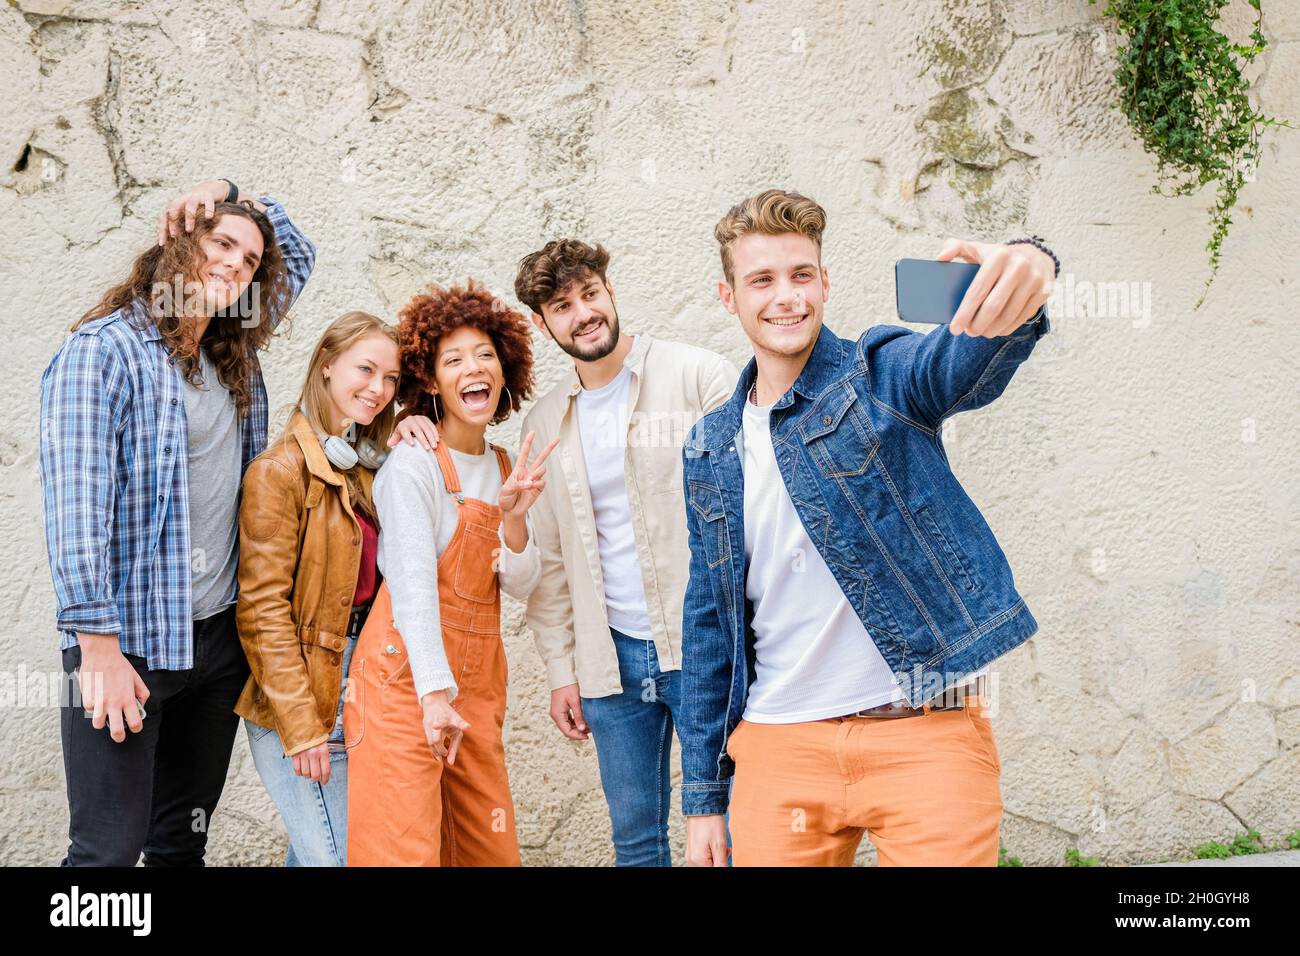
(927, 377)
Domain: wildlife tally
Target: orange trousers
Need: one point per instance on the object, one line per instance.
(926, 790)
(405, 806)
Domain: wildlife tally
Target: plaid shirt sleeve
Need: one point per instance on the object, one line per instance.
(84, 397)
(298, 251)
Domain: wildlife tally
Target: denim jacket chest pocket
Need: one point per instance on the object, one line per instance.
(838, 434)
(706, 499)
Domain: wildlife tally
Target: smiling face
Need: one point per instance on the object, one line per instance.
(778, 291)
(231, 251)
(362, 380)
(468, 376)
(581, 319)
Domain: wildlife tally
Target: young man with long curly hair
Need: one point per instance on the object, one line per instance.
(150, 412)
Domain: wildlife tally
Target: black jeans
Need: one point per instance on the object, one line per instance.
(155, 792)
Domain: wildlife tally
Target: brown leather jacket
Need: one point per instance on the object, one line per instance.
(299, 553)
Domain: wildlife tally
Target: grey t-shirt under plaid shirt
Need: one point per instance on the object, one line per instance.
(214, 468)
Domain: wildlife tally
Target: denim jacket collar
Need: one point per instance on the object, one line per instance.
(824, 365)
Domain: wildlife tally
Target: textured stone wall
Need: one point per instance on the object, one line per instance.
(1140, 472)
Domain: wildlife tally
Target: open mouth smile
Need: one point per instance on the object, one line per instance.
(476, 397)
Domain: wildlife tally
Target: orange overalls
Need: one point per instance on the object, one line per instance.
(405, 807)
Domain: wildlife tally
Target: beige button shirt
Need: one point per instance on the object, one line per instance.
(673, 386)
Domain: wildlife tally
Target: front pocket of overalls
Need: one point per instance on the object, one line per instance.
(476, 580)
(949, 555)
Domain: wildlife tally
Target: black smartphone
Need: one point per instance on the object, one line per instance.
(930, 291)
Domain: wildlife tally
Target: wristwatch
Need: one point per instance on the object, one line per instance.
(233, 193)
(1038, 243)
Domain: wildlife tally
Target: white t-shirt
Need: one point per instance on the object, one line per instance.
(602, 424)
(814, 659)
(417, 518)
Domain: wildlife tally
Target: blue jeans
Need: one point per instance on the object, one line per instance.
(633, 732)
(316, 815)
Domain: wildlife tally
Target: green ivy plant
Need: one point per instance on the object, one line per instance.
(1180, 85)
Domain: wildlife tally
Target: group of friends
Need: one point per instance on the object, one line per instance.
(777, 563)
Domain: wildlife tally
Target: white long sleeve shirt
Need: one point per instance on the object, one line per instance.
(417, 518)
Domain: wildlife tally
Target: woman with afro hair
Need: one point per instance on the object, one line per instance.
(427, 782)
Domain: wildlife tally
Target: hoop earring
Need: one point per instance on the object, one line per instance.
(510, 400)
(436, 417)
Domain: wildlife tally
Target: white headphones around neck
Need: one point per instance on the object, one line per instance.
(344, 453)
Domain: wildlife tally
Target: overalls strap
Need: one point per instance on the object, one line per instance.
(449, 476)
(503, 460)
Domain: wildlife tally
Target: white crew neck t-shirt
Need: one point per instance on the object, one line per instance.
(602, 424)
(814, 659)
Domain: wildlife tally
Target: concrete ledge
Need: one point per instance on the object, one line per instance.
(1281, 858)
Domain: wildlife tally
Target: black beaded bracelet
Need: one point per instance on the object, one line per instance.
(233, 193)
(1037, 243)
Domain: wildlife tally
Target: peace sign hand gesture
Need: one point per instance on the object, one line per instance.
(526, 482)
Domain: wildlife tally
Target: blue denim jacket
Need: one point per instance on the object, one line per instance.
(857, 440)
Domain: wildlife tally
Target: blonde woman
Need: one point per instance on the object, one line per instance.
(307, 575)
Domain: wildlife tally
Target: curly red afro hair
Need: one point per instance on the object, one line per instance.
(433, 314)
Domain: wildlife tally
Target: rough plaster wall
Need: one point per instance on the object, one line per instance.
(1152, 528)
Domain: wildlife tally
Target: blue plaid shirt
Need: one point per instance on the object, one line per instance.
(114, 473)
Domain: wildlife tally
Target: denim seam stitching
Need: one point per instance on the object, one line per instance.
(990, 625)
(859, 354)
(720, 778)
(822, 454)
(942, 538)
(659, 803)
(919, 533)
(891, 410)
(994, 362)
(902, 578)
(909, 518)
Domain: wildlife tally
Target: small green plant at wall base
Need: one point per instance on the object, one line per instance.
(1180, 85)
(1243, 844)
(1074, 858)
